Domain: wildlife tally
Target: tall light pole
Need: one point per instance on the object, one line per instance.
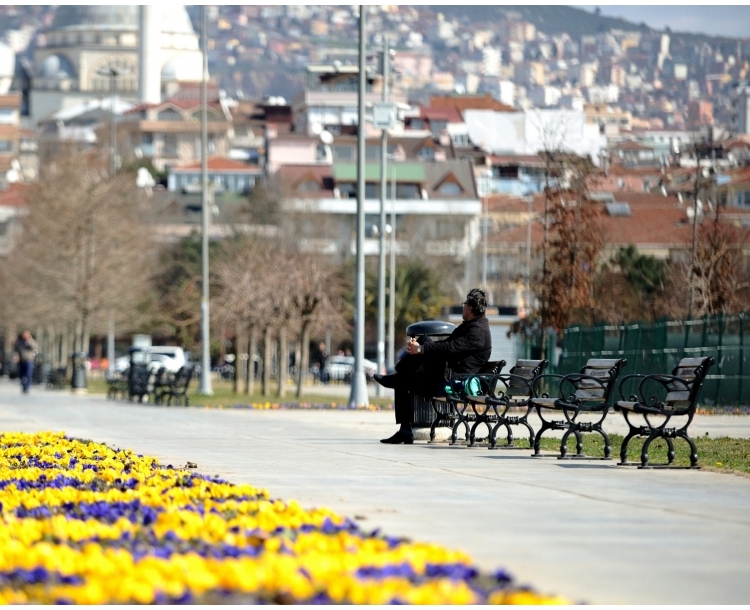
(358, 396)
(205, 381)
(112, 72)
(381, 251)
(484, 181)
(392, 275)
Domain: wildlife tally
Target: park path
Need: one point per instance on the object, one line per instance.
(586, 529)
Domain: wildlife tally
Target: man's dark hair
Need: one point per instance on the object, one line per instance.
(477, 301)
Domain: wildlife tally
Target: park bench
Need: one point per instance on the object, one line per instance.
(161, 384)
(173, 387)
(57, 378)
(682, 388)
(588, 392)
(511, 390)
(117, 386)
(451, 409)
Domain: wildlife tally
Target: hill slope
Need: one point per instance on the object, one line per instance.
(556, 20)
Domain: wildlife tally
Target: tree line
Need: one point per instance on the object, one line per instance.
(90, 254)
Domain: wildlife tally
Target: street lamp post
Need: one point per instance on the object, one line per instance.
(381, 251)
(205, 381)
(484, 187)
(392, 274)
(112, 72)
(358, 396)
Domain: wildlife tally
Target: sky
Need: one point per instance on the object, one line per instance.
(719, 20)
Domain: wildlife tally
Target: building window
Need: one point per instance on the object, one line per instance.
(438, 126)
(147, 138)
(371, 191)
(342, 152)
(427, 153)
(417, 124)
(347, 190)
(372, 152)
(450, 188)
(461, 139)
(169, 114)
(743, 199)
(407, 191)
(6, 146)
(170, 144)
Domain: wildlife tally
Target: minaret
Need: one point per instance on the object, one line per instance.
(149, 55)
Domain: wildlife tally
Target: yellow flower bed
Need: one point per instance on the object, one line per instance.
(87, 524)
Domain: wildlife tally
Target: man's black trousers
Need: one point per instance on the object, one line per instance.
(414, 376)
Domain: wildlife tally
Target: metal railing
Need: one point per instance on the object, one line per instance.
(656, 347)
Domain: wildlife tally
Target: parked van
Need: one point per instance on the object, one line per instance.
(170, 357)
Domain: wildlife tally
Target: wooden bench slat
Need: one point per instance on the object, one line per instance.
(600, 363)
(528, 364)
(683, 396)
(691, 362)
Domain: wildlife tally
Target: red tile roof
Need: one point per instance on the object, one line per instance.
(219, 164)
(446, 113)
(740, 177)
(14, 196)
(470, 102)
(291, 176)
(183, 104)
(655, 221)
(516, 160)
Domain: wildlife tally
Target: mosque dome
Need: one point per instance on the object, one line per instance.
(56, 66)
(174, 18)
(182, 68)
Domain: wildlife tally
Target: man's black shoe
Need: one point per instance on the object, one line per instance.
(399, 438)
(387, 381)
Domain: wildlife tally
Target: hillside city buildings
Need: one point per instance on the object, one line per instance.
(477, 104)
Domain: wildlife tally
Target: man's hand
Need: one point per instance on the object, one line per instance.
(412, 347)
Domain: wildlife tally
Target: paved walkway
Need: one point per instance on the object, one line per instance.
(589, 530)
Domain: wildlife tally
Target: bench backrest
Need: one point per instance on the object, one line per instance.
(182, 378)
(493, 367)
(605, 370)
(693, 372)
(524, 371)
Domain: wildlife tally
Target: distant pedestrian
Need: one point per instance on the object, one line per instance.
(321, 358)
(26, 351)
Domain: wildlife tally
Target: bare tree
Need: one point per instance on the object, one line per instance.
(718, 278)
(317, 288)
(85, 253)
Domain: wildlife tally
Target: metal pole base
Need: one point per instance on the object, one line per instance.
(358, 397)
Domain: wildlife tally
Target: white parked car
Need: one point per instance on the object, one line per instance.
(169, 356)
(340, 368)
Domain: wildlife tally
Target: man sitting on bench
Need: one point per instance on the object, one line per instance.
(424, 370)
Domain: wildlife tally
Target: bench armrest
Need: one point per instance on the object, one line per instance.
(664, 380)
(538, 378)
(505, 379)
(632, 397)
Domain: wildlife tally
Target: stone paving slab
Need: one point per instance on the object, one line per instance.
(586, 529)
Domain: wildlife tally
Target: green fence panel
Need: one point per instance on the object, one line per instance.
(657, 347)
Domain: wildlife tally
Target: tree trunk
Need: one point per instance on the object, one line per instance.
(239, 363)
(304, 361)
(283, 362)
(250, 380)
(267, 360)
(86, 337)
(78, 336)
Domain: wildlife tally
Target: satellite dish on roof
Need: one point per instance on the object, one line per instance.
(316, 128)
(326, 137)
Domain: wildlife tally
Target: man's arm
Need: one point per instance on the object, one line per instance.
(471, 341)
